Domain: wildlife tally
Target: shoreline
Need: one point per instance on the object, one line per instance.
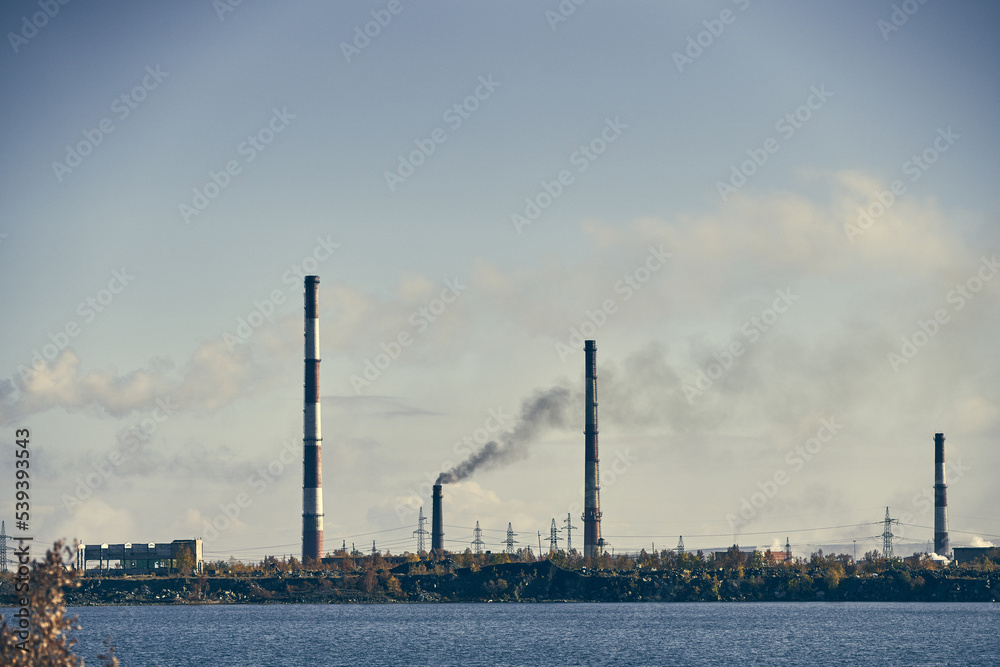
(538, 582)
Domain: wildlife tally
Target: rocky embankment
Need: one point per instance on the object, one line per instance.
(529, 582)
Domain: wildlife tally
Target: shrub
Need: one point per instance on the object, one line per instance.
(47, 643)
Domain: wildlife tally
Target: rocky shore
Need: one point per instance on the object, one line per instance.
(541, 581)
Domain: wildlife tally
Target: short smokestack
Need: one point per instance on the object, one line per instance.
(437, 524)
(312, 437)
(592, 542)
(940, 499)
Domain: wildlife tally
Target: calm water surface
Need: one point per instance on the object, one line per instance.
(547, 634)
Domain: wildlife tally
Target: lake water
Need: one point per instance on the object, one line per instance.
(546, 634)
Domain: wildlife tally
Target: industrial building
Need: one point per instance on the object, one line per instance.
(965, 555)
(138, 558)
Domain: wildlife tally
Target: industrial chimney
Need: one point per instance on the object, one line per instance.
(437, 525)
(940, 499)
(592, 542)
(312, 438)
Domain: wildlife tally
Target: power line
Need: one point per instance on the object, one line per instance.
(764, 532)
(421, 531)
(553, 539)
(569, 532)
(569, 528)
(273, 546)
(374, 532)
(477, 540)
(887, 535)
(510, 541)
(951, 530)
(3, 548)
(491, 530)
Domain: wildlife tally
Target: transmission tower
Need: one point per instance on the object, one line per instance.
(553, 538)
(3, 547)
(477, 540)
(569, 532)
(788, 551)
(680, 545)
(510, 541)
(420, 531)
(887, 535)
(374, 550)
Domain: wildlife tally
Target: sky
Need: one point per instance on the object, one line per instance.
(777, 220)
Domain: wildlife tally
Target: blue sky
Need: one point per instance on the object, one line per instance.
(318, 189)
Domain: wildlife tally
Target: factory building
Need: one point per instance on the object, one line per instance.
(965, 555)
(138, 558)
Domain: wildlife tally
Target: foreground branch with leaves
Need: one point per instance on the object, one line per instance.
(46, 641)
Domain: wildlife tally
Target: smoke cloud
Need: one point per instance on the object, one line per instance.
(544, 409)
(212, 378)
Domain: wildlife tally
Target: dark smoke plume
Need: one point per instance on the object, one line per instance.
(544, 409)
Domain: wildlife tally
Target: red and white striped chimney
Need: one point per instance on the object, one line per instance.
(941, 546)
(593, 545)
(312, 437)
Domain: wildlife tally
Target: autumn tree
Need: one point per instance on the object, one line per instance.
(393, 587)
(370, 582)
(496, 586)
(184, 561)
(465, 559)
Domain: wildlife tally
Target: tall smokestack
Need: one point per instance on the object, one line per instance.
(437, 524)
(312, 437)
(940, 499)
(592, 542)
